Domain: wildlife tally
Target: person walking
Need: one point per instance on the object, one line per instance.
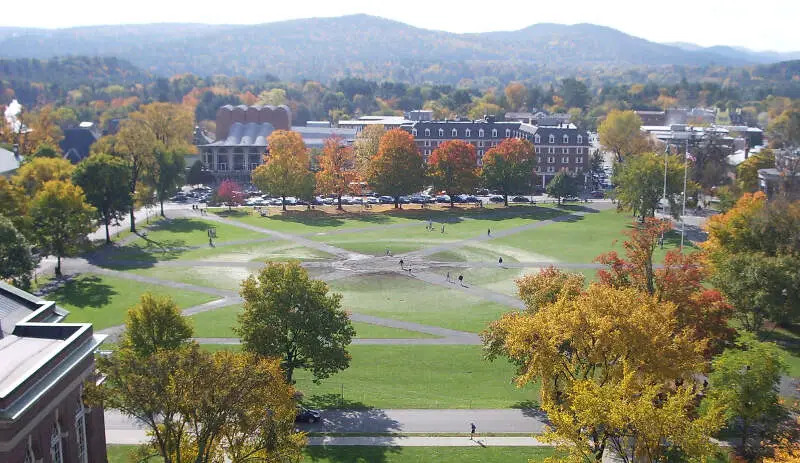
(448, 277)
(500, 261)
(442, 228)
(489, 232)
(401, 265)
(461, 280)
(472, 431)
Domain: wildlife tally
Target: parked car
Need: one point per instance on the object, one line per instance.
(520, 199)
(386, 200)
(597, 194)
(306, 415)
(443, 199)
(496, 199)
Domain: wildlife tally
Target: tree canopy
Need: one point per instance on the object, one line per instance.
(104, 179)
(398, 168)
(453, 168)
(510, 167)
(562, 186)
(639, 184)
(338, 170)
(16, 260)
(619, 133)
(286, 170)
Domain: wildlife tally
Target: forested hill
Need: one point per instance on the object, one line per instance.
(358, 45)
(72, 71)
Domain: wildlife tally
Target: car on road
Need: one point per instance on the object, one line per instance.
(307, 415)
(496, 199)
(443, 199)
(520, 199)
(386, 200)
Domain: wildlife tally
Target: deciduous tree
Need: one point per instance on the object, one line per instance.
(230, 193)
(620, 134)
(62, 219)
(747, 171)
(104, 180)
(197, 174)
(289, 316)
(398, 168)
(516, 96)
(453, 168)
(166, 175)
(286, 170)
(16, 260)
(510, 167)
(640, 184)
(338, 169)
(562, 186)
(547, 286)
(14, 205)
(136, 144)
(32, 175)
(155, 324)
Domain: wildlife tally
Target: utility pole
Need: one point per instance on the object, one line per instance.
(685, 172)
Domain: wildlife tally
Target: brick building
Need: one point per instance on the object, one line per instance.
(43, 366)
(558, 147)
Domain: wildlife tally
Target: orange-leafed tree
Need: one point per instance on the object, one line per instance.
(398, 168)
(704, 312)
(286, 170)
(510, 167)
(453, 167)
(338, 172)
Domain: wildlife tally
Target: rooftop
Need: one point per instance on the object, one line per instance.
(246, 134)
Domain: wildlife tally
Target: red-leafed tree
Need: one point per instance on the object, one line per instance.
(453, 167)
(398, 168)
(230, 193)
(679, 281)
(510, 167)
(338, 163)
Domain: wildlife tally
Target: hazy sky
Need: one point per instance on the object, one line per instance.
(767, 24)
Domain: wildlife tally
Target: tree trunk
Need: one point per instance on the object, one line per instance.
(283, 202)
(161, 201)
(505, 199)
(452, 202)
(108, 235)
(133, 220)
(58, 266)
(339, 204)
(397, 202)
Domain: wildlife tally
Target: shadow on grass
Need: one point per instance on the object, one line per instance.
(322, 219)
(347, 454)
(89, 291)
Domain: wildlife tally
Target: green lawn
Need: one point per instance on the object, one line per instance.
(219, 323)
(408, 376)
(228, 278)
(277, 250)
(411, 300)
(104, 300)
(298, 222)
(367, 454)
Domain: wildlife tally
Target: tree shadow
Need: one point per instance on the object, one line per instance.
(179, 225)
(350, 454)
(88, 291)
(323, 219)
(531, 409)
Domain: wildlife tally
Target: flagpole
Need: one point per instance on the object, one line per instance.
(685, 171)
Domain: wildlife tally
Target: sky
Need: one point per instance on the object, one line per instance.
(763, 25)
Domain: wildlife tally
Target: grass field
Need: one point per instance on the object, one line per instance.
(104, 300)
(219, 323)
(411, 300)
(366, 454)
(407, 376)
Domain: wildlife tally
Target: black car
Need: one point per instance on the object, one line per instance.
(305, 415)
(520, 199)
(496, 199)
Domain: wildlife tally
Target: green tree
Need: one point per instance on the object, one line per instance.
(62, 219)
(136, 145)
(104, 180)
(289, 316)
(510, 167)
(286, 170)
(155, 324)
(32, 175)
(366, 147)
(398, 168)
(562, 186)
(198, 175)
(620, 134)
(166, 175)
(747, 171)
(14, 205)
(16, 259)
(744, 382)
(46, 151)
(453, 168)
(640, 184)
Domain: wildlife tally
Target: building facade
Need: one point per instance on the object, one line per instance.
(241, 139)
(561, 147)
(43, 366)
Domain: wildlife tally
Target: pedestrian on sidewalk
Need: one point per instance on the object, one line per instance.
(500, 261)
(448, 277)
(472, 431)
(489, 232)
(442, 228)
(401, 264)
(461, 280)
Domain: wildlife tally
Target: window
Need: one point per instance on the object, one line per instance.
(551, 169)
(480, 144)
(551, 150)
(468, 133)
(552, 138)
(480, 133)
(566, 139)
(538, 169)
(579, 150)
(551, 159)
(579, 160)
(414, 132)
(494, 133)
(80, 432)
(480, 153)
(427, 152)
(56, 452)
(508, 133)
(538, 160)
(494, 143)
(222, 166)
(564, 150)
(427, 132)
(565, 160)
(455, 133)
(441, 133)
(427, 143)
(580, 139)
(253, 165)
(537, 139)
(538, 150)
(578, 170)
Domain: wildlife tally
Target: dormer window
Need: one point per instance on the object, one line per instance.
(566, 139)
(468, 133)
(552, 139)
(414, 132)
(455, 133)
(580, 139)
(537, 139)
(508, 133)
(480, 133)
(427, 132)
(494, 133)
(441, 133)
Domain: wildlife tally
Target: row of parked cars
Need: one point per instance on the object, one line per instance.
(200, 195)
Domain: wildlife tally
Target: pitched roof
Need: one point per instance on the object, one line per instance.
(8, 161)
(77, 142)
(247, 134)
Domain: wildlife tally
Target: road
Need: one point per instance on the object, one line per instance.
(123, 430)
